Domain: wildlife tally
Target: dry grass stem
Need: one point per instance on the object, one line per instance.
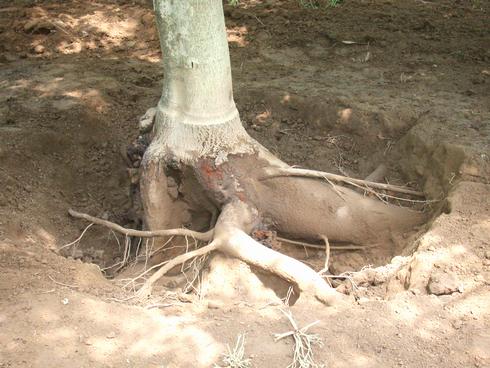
(235, 358)
(303, 343)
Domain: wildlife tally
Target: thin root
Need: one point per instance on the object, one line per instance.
(208, 235)
(277, 172)
(327, 254)
(77, 239)
(145, 290)
(322, 247)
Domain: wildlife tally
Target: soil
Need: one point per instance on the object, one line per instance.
(341, 89)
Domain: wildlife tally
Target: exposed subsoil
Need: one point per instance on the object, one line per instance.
(344, 89)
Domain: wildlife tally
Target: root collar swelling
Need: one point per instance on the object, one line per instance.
(300, 207)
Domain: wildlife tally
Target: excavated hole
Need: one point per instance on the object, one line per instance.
(333, 136)
(329, 136)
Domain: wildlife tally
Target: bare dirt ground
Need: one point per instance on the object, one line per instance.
(344, 89)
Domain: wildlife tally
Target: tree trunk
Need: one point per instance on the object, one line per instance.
(196, 115)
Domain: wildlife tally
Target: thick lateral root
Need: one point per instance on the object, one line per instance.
(234, 219)
(142, 233)
(232, 240)
(240, 245)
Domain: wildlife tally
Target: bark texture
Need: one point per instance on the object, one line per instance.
(196, 115)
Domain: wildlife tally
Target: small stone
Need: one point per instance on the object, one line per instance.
(479, 278)
(380, 278)
(212, 304)
(39, 26)
(344, 289)
(457, 324)
(39, 49)
(441, 283)
(111, 335)
(173, 192)
(363, 300)
(171, 182)
(185, 298)
(77, 254)
(487, 254)
(236, 14)
(147, 19)
(362, 278)
(134, 175)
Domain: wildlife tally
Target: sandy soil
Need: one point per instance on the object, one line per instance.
(403, 83)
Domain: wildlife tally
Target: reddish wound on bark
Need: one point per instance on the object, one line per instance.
(210, 171)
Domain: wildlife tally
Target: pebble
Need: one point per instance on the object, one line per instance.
(441, 283)
(213, 304)
(147, 19)
(457, 324)
(39, 49)
(38, 25)
(111, 335)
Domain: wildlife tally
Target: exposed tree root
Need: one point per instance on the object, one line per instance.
(278, 172)
(230, 237)
(235, 220)
(377, 175)
(146, 289)
(301, 208)
(327, 254)
(142, 234)
(322, 247)
(77, 239)
(202, 161)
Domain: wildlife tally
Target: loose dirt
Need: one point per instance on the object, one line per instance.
(342, 89)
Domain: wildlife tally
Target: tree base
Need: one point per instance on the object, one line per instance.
(235, 195)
